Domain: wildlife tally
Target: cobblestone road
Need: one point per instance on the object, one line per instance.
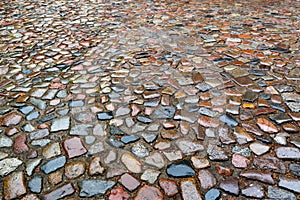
(149, 100)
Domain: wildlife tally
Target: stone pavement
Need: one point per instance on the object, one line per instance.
(149, 100)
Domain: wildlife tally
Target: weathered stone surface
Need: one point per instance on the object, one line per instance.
(207, 179)
(288, 153)
(10, 119)
(60, 192)
(254, 191)
(290, 184)
(90, 188)
(169, 187)
(60, 124)
(74, 169)
(14, 186)
(276, 193)
(230, 185)
(131, 163)
(189, 190)
(258, 175)
(74, 147)
(129, 182)
(54, 164)
(8, 165)
(180, 170)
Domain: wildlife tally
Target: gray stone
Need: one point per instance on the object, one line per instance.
(290, 184)
(90, 188)
(5, 141)
(9, 165)
(38, 103)
(164, 112)
(60, 124)
(35, 184)
(288, 153)
(54, 164)
(276, 193)
(81, 129)
(31, 165)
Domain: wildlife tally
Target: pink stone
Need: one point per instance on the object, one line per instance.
(169, 187)
(239, 161)
(118, 194)
(129, 182)
(74, 147)
(10, 119)
(149, 192)
(20, 145)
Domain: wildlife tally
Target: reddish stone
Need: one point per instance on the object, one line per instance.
(149, 192)
(267, 126)
(170, 134)
(14, 186)
(118, 194)
(129, 182)
(169, 187)
(135, 110)
(291, 128)
(20, 145)
(265, 111)
(74, 147)
(239, 161)
(10, 119)
(208, 121)
(223, 170)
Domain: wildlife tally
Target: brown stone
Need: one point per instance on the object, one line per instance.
(223, 170)
(14, 186)
(169, 187)
(197, 78)
(149, 192)
(10, 119)
(74, 169)
(208, 122)
(20, 145)
(135, 110)
(264, 111)
(290, 127)
(11, 131)
(129, 182)
(267, 126)
(170, 134)
(95, 167)
(243, 81)
(74, 147)
(55, 178)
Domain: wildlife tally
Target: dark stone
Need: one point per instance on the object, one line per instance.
(212, 194)
(295, 169)
(90, 188)
(181, 169)
(54, 164)
(277, 106)
(129, 139)
(35, 184)
(281, 118)
(105, 116)
(250, 96)
(115, 131)
(46, 118)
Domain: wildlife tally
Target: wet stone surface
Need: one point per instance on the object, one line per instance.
(149, 100)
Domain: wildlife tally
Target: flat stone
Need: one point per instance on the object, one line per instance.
(140, 150)
(51, 150)
(74, 169)
(149, 192)
(262, 176)
(295, 169)
(288, 153)
(207, 179)
(129, 182)
(5, 141)
(208, 122)
(180, 169)
(266, 126)
(118, 193)
(258, 148)
(129, 139)
(239, 161)
(9, 165)
(270, 163)
(74, 147)
(216, 153)
(131, 163)
(276, 193)
(95, 167)
(90, 188)
(155, 160)
(281, 118)
(223, 170)
(212, 194)
(20, 145)
(55, 178)
(150, 175)
(54, 164)
(105, 116)
(11, 119)
(230, 185)
(189, 190)
(60, 124)
(254, 191)
(35, 184)
(290, 184)
(164, 112)
(14, 186)
(38, 103)
(169, 187)
(60, 192)
(31, 165)
(39, 134)
(188, 147)
(294, 106)
(250, 96)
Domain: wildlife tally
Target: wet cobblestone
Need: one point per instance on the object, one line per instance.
(149, 99)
